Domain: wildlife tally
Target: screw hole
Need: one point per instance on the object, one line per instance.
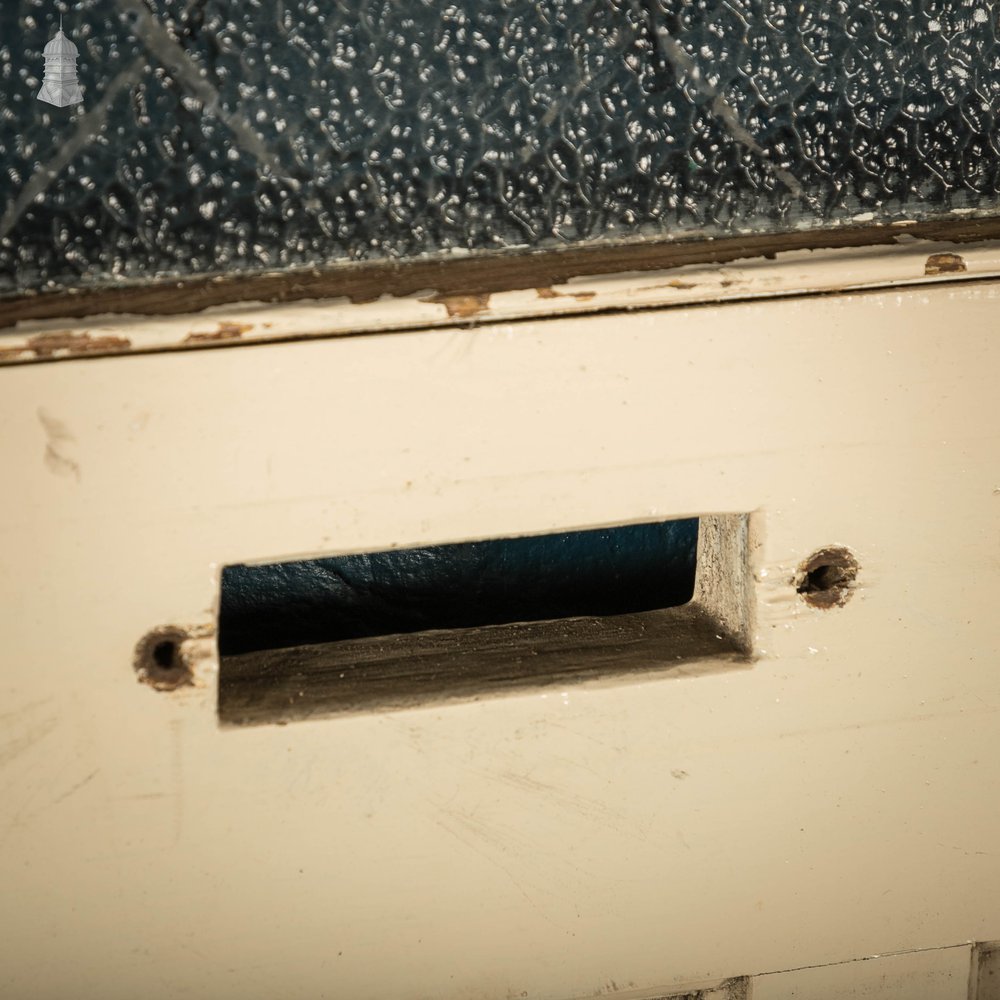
(159, 659)
(164, 653)
(827, 578)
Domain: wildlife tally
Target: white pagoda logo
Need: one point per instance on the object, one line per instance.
(60, 85)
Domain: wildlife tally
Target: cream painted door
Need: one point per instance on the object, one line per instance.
(834, 799)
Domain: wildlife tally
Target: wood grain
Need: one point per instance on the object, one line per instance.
(397, 671)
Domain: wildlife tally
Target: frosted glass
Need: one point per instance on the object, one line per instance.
(219, 137)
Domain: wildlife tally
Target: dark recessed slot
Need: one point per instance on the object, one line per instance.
(406, 626)
(609, 571)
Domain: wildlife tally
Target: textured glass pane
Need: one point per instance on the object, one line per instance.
(218, 136)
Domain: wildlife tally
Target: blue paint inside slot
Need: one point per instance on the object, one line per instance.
(598, 572)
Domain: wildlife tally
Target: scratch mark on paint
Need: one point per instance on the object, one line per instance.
(177, 769)
(586, 807)
(75, 788)
(18, 713)
(14, 747)
(477, 831)
(585, 736)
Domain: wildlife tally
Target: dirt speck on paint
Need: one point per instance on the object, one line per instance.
(58, 439)
(945, 263)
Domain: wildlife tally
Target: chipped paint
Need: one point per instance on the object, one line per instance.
(65, 343)
(529, 292)
(225, 332)
(461, 306)
(945, 263)
(551, 293)
(47, 345)
(678, 284)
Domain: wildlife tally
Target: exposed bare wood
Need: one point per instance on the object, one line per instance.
(396, 671)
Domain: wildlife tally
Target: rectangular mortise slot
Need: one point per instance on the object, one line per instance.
(425, 625)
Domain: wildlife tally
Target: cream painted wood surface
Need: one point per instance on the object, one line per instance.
(836, 800)
(910, 262)
(939, 974)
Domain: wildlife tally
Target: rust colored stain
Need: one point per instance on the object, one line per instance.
(461, 306)
(675, 283)
(46, 345)
(945, 263)
(226, 331)
(551, 293)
